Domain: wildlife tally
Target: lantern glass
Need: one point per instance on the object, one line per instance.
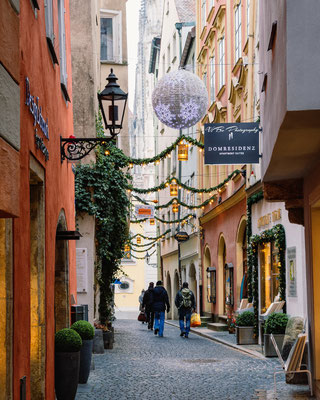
(173, 189)
(152, 221)
(112, 102)
(182, 152)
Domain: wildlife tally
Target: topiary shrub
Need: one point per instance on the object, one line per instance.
(245, 319)
(84, 328)
(67, 340)
(276, 323)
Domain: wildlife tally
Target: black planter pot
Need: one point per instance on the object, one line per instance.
(98, 347)
(108, 339)
(66, 369)
(85, 360)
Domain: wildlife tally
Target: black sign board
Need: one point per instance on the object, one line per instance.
(231, 143)
(181, 236)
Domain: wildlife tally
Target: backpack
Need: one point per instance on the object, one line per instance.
(186, 298)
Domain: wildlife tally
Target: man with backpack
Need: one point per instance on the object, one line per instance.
(185, 302)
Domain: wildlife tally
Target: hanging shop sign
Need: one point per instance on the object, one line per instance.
(231, 143)
(144, 211)
(181, 236)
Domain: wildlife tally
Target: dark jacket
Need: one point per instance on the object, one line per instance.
(160, 299)
(179, 302)
(147, 299)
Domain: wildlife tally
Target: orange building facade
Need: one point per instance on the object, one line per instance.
(37, 267)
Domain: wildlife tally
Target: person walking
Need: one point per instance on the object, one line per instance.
(147, 303)
(160, 302)
(141, 301)
(185, 302)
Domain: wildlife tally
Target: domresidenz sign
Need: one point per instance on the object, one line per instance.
(231, 143)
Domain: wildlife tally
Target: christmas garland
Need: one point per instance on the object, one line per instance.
(181, 185)
(174, 221)
(144, 250)
(142, 258)
(148, 237)
(143, 161)
(250, 201)
(276, 235)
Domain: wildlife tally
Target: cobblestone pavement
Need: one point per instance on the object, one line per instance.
(144, 366)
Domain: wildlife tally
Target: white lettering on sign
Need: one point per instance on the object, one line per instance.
(82, 270)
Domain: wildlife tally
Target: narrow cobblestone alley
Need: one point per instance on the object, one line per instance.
(144, 366)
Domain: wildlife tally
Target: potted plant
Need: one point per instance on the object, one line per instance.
(245, 330)
(276, 324)
(108, 335)
(86, 331)
(67, 363)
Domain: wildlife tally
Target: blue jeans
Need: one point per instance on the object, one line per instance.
(185, 329)
(159, 321)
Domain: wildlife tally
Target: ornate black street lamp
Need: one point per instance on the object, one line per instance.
(112, 103)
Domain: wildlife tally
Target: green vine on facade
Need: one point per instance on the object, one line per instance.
(278, 237)
(250, 201)
(100, 191)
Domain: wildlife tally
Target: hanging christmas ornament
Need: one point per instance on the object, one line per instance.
(175, 208)
(126, 248)
(182, 152)
(173, 189)
(180, 99)
(151, 221)
(138, 239)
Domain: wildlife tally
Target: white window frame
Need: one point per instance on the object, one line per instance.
(237, 31)
(116, 34)
(48, 12)
(203, 13)
(212, 78)
(221, 62)
(62, 43)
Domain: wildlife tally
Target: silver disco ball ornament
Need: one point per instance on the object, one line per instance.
(180, 99)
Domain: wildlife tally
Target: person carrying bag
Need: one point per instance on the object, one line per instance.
(186, 303)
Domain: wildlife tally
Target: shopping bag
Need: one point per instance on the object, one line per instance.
(195, 320)
(142, 317)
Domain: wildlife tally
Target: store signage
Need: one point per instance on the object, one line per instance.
(266, 219)
(181, 236)
(231, 143)
(291, 272)
(38, 120)
(34, 108)
(144, 211)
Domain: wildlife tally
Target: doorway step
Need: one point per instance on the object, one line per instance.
(219, 326)
(205, 320)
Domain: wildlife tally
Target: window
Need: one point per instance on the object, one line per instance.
(228, 268)
(48, 11)
(62, 52)
(221, 62)
(174, 47)
(269, 275)
(110, 36)
(248, 17)
(204, 79)
(237, 25)
(211, 3)
(163, 64)
(203, 13)
(211, 285)
(174, 161)
(212, 78)
(168, 56)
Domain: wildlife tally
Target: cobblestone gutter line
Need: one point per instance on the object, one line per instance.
(224, 342)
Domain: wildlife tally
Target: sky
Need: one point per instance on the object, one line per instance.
(133, 7)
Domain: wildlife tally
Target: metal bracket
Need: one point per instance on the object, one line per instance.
(74, 149)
